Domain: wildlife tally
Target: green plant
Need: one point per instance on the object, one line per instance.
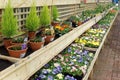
(36, 39)
(16, 48)
(9, 22)
(32, 20)
(45, 16)
(18, 40)
(54, 13)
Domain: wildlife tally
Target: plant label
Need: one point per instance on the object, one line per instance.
(51, 39)
(22, 55)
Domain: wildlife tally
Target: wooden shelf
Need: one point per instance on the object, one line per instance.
(23, 69)
(98, 51)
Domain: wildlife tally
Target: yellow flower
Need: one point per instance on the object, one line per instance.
(60, 76)
(77, 40)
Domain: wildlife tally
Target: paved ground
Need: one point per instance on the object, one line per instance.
(107, 66)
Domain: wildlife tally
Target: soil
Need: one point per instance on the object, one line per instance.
(4, 64)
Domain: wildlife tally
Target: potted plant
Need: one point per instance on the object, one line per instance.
(45, 23)
(49, 35)
(19, 40)
(9, 24)
(55, 14)
(32, 22)
(17, 51)
(36, 43)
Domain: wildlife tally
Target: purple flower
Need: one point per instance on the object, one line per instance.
(71, 63)
(50, 77)
(69, 49)
(46, 65)
(59, 69)
(79, 52)
(24, 46)
(44, 71)
(76, 51)
(69, 78)
(85, 52)
(42, 76)
(38, 78)
(80, 60)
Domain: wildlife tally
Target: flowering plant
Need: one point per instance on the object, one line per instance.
(72, 62)
(92, 38)
(61, 30)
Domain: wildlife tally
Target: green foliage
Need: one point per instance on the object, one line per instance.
(32, 20)
(18, 40)
(54, 13)
(36, 39)
(45, 19)
(16, 48)
(9, 22)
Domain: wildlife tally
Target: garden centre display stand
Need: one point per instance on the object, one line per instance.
(90, 70)
(26, 67)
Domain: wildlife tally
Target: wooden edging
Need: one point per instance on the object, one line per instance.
(23, 69)
(98, 51)
(11, 59)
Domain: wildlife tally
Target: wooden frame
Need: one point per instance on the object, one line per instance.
(40, 57)
(11, 59)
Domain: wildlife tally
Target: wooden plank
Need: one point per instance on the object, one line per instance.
(44, 55)
(90, 49)
(27, 3)
(11, 59)
(98, 51)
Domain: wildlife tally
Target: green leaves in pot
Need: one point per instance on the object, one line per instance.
(37, 39)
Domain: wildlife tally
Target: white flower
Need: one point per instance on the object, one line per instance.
(49, 70)
(56, 64)
(74, 60)
(83, 68)
(91, 54)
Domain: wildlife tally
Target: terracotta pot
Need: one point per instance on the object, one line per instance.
(16, 53)
(55, 23)
(31, 34)
(7, 42)
(79, 23)
(49, 38)
(36, 45)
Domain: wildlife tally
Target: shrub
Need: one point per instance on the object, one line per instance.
(32, 21)
(45, 18)
(9, 22)
(54, 13)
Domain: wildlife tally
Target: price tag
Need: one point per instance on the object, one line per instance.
(22, 55)
(51, 39)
